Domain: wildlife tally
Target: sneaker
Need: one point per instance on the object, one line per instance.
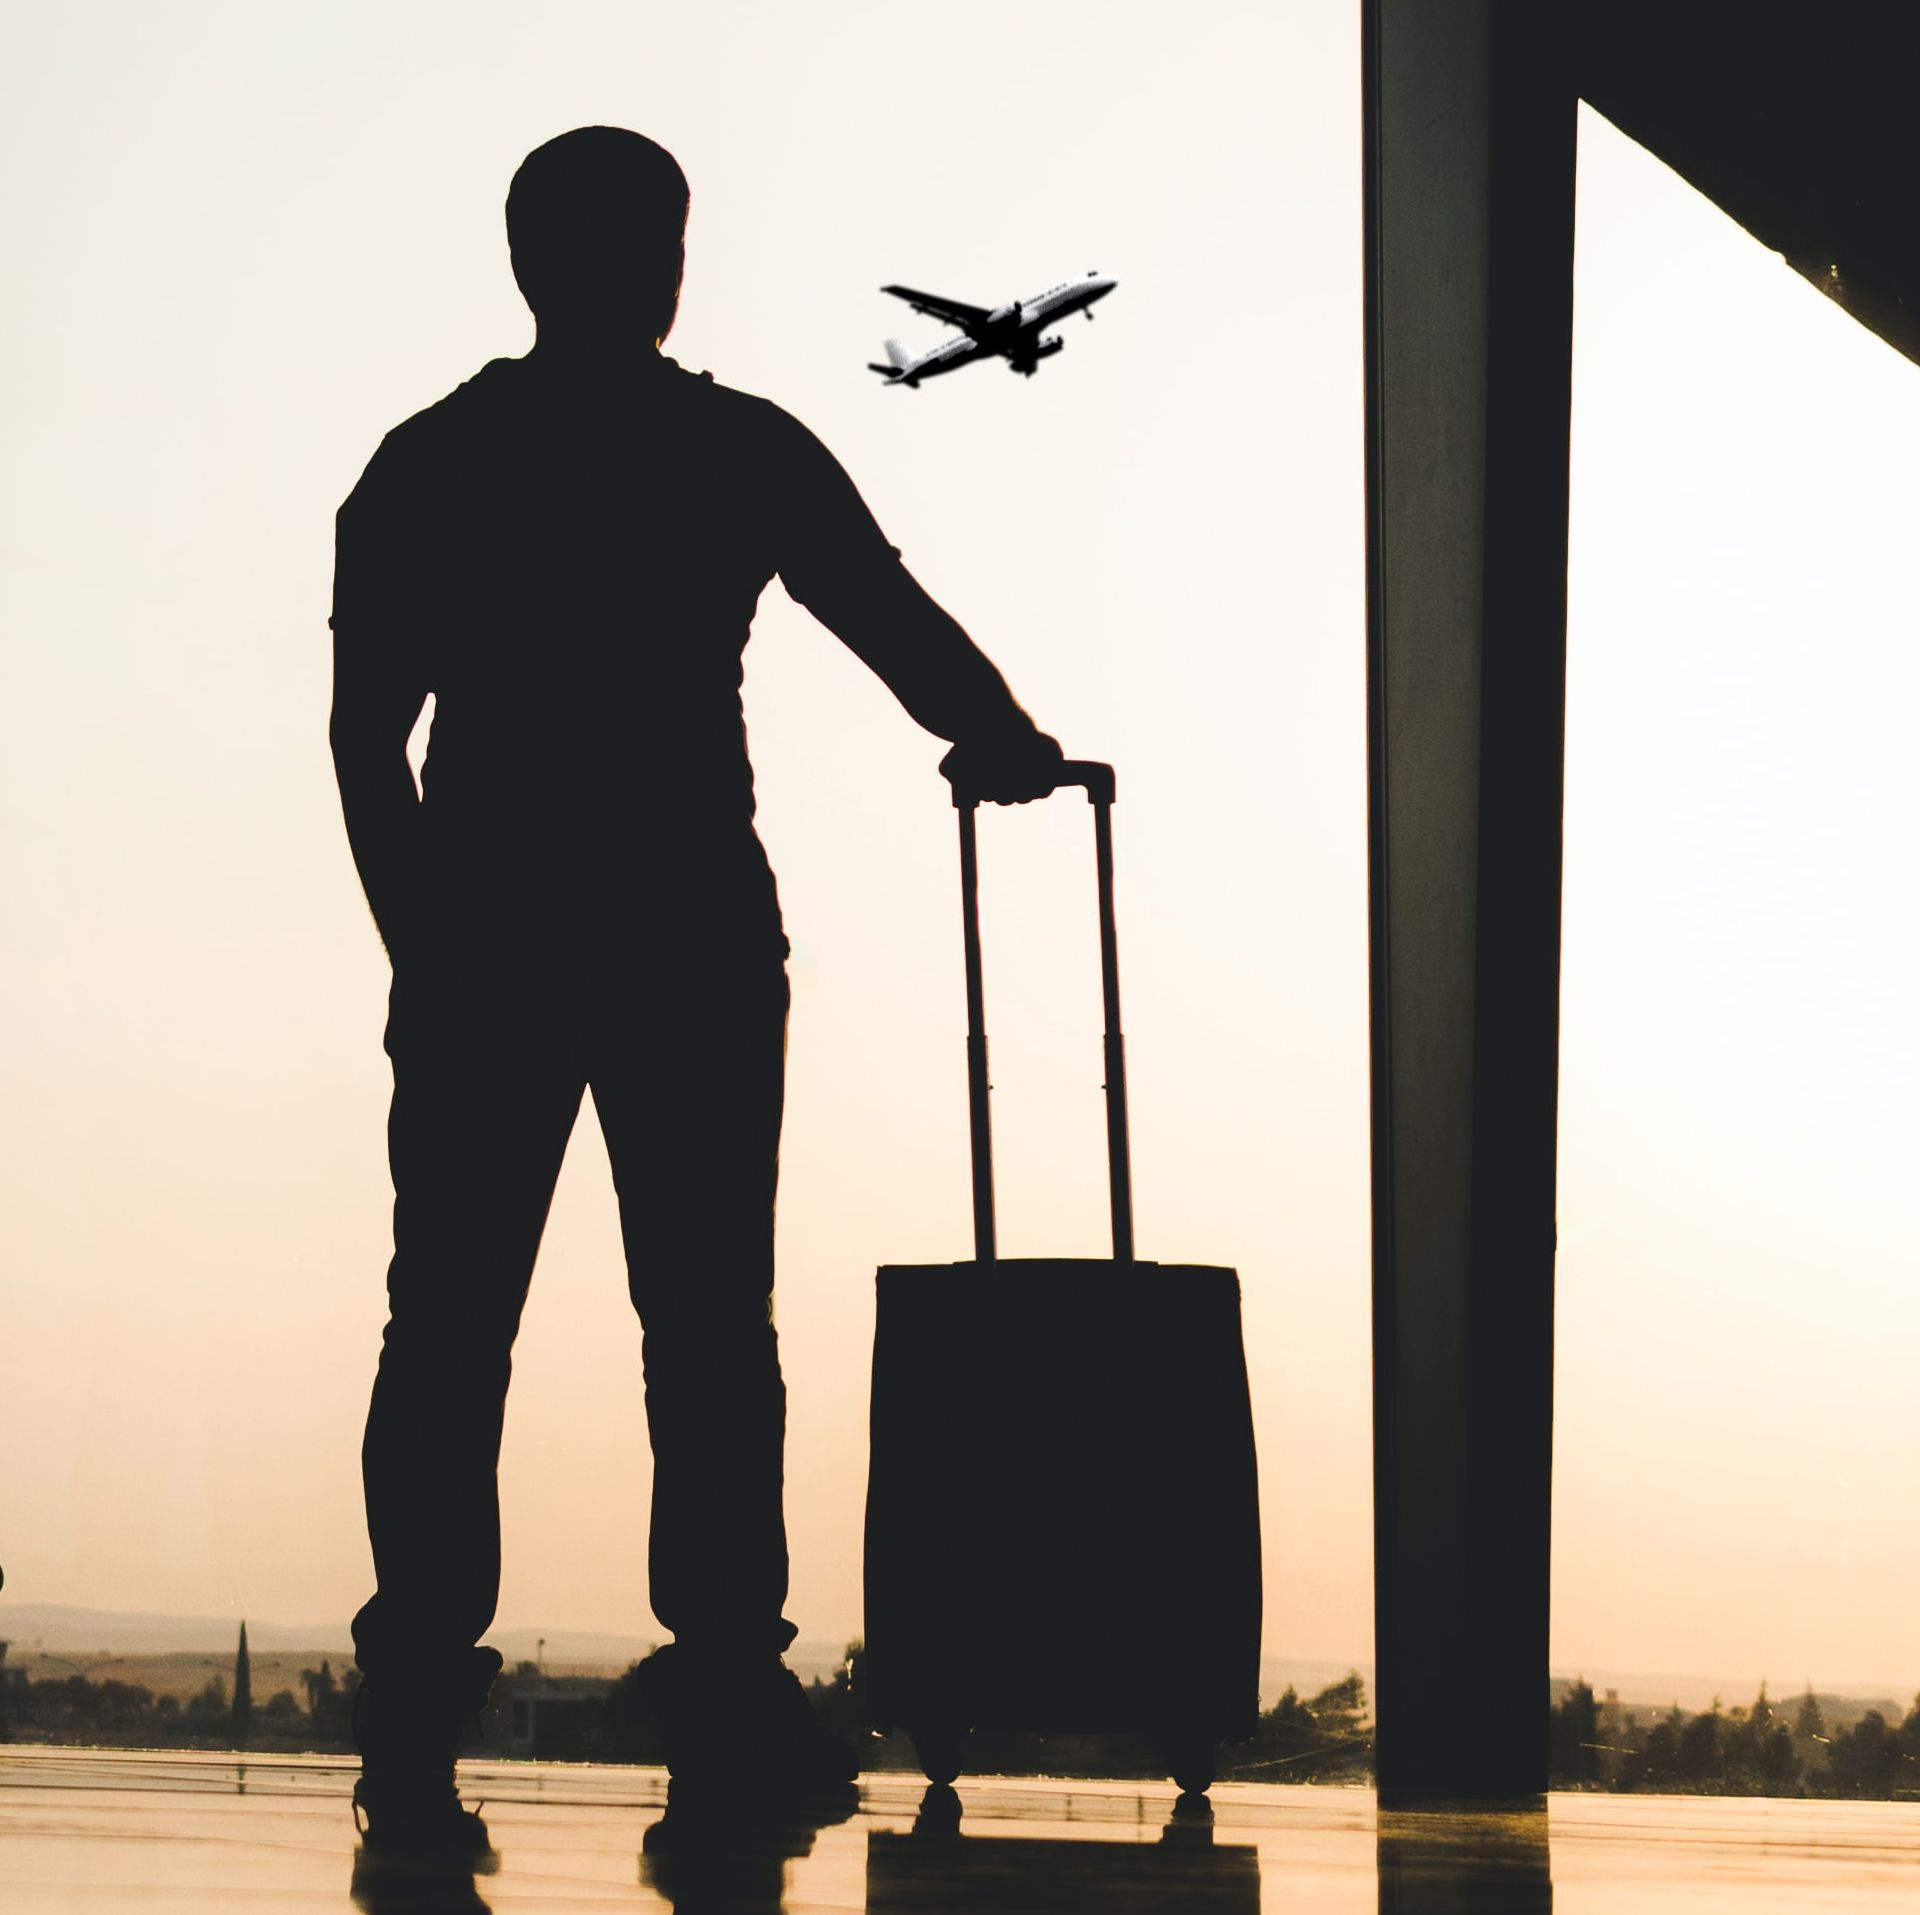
(736, 1726)
(408, 1728)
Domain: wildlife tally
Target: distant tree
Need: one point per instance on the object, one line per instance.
(242, 1691)
(1341, 1707)
(1779, 1761)
(1757, 1750)
(108, 1711)
(281, 1711)
(1284, 1743)
(1342, 1728)
(321, 1691)
(209, 1713)
(340, 1720)
(1328, 1737)
(1740, 1749)
(1866, 1759)
(1290, 1708)
(1289, 1725)
(1809, 1723)
(1573, 1735)
(125, 1706)
(1910, 1729)
(1699, 1757)
(1656, 1763)
(329, 1704)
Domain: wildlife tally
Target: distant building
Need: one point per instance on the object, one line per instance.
(535, 1717)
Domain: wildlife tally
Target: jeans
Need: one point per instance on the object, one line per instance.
(687, 1070)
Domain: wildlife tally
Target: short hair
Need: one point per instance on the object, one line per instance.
(597, 215)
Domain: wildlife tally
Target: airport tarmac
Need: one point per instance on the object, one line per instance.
(111, 1832)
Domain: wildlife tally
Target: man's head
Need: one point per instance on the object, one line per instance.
(596, 223)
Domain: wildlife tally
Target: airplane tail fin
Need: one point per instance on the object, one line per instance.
(900, 356)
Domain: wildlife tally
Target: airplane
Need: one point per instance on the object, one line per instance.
(1011, 332)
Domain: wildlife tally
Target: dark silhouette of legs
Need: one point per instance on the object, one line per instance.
(478, 1127)
(687, 1072)
(690, 1106)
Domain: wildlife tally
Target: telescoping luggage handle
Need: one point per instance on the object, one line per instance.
(1098, 783)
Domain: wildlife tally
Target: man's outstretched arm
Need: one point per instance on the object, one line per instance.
(839, 565)
(375, 709)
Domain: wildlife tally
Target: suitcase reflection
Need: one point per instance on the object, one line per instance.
(939, 1869)
(1479, 1860)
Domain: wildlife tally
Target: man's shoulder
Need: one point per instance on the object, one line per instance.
(745, 415)
(440, 438)
(473, 404)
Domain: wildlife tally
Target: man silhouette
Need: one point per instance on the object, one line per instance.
(566, 552)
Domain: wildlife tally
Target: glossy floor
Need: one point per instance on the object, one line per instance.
(118, 1831)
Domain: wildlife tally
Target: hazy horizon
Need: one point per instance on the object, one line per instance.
(256, 240)
(139, 1642)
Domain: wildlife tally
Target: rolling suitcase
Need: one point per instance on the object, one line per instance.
(1063, 1529)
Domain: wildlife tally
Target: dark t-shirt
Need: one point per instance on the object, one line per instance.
(571, 569)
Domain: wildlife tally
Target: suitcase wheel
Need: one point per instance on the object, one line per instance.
(1191, 1761)
(941, 1748)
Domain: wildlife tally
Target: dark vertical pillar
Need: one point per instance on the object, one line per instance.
(1469, 128)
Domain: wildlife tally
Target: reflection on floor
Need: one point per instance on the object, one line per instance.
(102, 1832)
(949, 1860)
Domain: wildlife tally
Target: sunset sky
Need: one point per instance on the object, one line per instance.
(245, 241)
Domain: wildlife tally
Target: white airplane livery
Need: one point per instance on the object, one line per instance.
(1011, 332)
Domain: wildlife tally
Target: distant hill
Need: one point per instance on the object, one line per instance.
(181, 1673)
(1649, 1695)
(87, 1635)
(59, 1630)
(1306, 1677)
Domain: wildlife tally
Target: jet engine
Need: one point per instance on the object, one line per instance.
(1026, 363)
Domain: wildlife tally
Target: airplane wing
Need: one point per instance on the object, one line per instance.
(952, 311)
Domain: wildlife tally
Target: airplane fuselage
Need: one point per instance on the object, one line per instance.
(1012, 332)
